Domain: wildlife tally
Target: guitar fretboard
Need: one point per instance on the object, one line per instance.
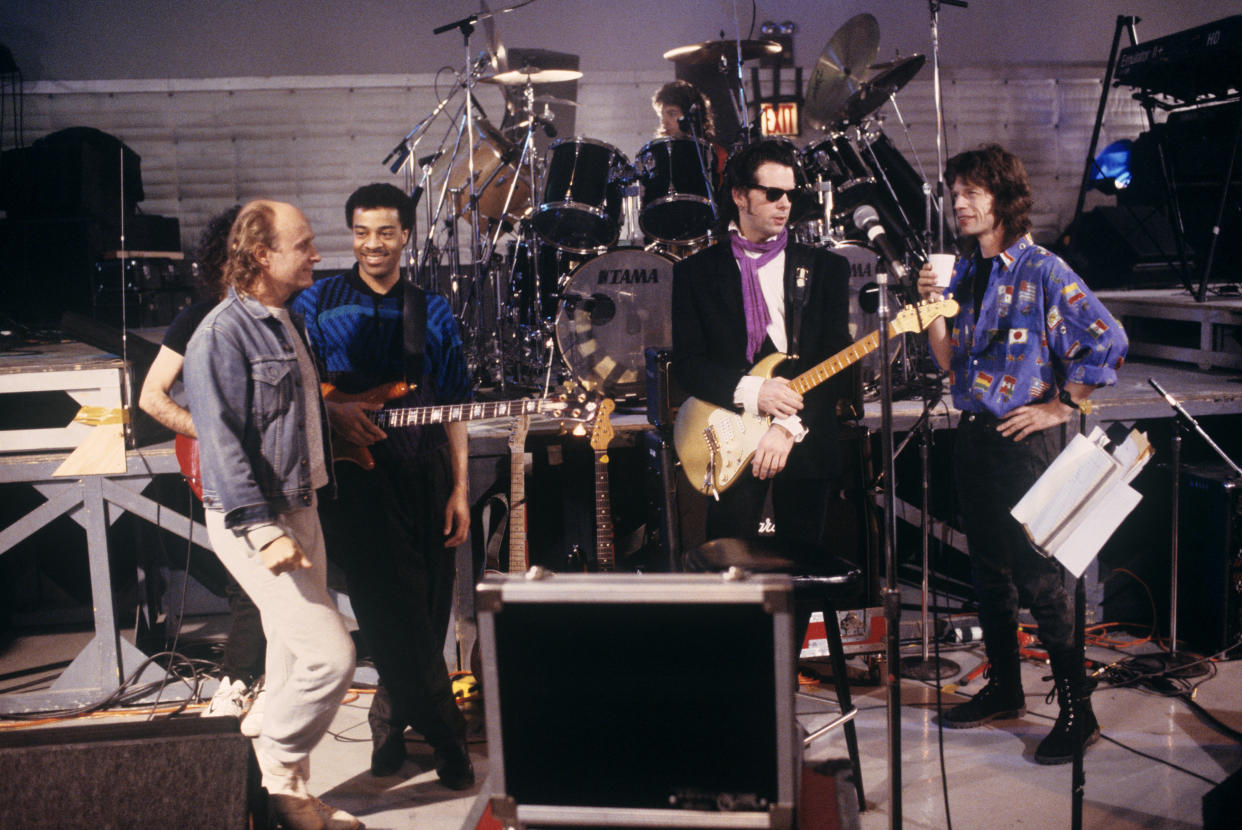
(517, 511)
(604, 549)
(449, 413)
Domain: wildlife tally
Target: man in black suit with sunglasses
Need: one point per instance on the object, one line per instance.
(751, 294)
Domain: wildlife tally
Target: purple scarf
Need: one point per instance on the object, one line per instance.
(757, 316)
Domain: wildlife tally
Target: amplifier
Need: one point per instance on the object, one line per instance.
(664, 395)
(1209, 556)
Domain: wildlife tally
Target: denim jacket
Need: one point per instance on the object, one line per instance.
(248, 408)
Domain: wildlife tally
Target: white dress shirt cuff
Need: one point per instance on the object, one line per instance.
(746, 393)
(794, 424)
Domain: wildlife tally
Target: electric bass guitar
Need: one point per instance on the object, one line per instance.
(715, 444)
(343, 450)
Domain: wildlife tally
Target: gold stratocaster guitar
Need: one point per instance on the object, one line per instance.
(715, 444)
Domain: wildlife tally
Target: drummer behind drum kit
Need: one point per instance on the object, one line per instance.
(590, 265)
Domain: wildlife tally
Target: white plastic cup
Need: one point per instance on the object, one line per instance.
(942, 265)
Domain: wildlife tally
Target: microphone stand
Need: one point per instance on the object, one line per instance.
(1183, 421)
(938, 101)
(891, 593)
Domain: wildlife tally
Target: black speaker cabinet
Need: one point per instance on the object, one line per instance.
(1209, 556)
(190, 772)
(597, 713)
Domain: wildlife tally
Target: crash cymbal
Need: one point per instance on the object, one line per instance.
(552, 99)
(532, 75)
(841, 70)
(713, 50)
(896, 73)
(891, 77)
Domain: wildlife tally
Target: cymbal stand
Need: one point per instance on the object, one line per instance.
(692, 121)
(938, 99)
(741, 82)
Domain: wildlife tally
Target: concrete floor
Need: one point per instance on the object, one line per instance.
(1156, 760)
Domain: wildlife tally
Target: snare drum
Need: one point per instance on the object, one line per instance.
(676, 175)
(617, 305)
(581, 206)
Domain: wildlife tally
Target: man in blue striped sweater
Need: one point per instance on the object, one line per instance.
(393, 529)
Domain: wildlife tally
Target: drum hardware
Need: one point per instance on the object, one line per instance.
(883, 84)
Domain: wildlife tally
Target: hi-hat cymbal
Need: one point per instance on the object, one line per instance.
(552, 99)
(532, 75)
(841, 70)
(713, 50)
(889, 78)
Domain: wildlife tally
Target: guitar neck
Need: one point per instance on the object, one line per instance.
(450, 413)
(605, 554)
(517, 512)
(840, 361)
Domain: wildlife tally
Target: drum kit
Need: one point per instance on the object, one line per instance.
(582, 286)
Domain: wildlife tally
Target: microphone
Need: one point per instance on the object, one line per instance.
(868, 221)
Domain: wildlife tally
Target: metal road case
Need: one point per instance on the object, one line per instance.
(626, 700)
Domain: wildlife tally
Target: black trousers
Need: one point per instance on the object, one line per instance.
(384, 531)
(799, 506)
(992, 473)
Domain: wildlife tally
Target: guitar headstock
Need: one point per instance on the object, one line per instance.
(601, 431)
(916, 318)
(518, 430)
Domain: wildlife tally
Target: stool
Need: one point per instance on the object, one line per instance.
(820, 581)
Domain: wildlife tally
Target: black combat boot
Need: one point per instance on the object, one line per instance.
(1076, 724)
(1002, 698)
(387, 735)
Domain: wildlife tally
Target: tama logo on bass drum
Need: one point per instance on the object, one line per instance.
(628, 276)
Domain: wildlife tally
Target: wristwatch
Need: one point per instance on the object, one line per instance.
(1064, 397)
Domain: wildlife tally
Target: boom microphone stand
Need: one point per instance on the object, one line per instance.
(1183, 421)
(891, 593)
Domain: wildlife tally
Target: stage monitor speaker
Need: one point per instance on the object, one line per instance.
(1209, 558)
(598, 713)
(1222, 805)
(188, 772)
(1123, 247)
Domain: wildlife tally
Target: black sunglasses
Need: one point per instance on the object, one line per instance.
(774, 194)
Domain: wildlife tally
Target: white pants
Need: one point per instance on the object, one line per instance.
(310, 656)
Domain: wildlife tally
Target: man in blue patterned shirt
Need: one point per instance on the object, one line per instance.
(1030, 343)
(393, 529)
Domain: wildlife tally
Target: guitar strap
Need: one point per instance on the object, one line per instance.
(798, 277)
(414, 331)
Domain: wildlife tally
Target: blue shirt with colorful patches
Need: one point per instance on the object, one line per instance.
(1039, 327)
(357, 338)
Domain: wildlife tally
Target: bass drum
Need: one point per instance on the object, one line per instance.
(616, 306)
(581, 206)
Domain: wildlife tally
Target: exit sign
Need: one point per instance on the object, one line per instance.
(779, 118)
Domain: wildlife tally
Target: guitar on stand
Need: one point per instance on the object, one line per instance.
(601, 436)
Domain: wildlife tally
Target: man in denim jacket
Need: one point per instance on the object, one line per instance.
(262, 430)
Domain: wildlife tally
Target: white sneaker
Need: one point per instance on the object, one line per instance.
(230, 700)
(252, 722)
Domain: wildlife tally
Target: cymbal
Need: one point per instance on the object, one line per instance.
(713, 50)
(891, 77)
(841, 70)
(532, 75)
(896, 73)
(552, 99)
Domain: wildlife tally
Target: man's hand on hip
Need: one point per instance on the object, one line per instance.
(283, 556)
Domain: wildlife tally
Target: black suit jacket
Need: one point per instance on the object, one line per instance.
(709, 339)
